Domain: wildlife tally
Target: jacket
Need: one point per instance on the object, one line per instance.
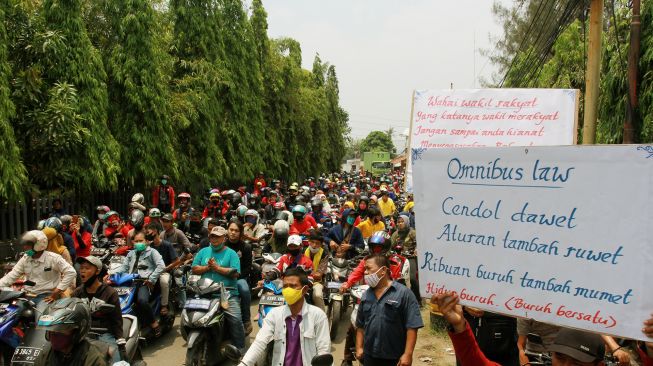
(287, 261)
(171, 196)
(368, 228)
(337, 234)
(49, 271)
(149, 258)
(111, 321)
(314, 339)
(409, 242)
(84, 354)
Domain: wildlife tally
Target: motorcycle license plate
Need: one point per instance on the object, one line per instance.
(122, 291)
(274, 300)
(198, 304)
(26, 355)
(334, 285)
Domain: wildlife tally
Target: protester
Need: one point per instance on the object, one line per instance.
(244, 251)
(173, 235)
(163, 196)
(386, 308)
(320, 258)
(373, 223)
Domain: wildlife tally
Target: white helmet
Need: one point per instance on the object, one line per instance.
(138, 197)
(295, 240)
(37, 238)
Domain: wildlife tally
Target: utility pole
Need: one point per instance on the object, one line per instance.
(592, 73)
(633, 61)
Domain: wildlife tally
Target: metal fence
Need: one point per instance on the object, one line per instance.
(18, 217)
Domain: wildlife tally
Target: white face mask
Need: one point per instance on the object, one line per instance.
(314, 250)
(373, 279)
(100, 216)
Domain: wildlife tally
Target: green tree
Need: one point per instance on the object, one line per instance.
(13, 176)
(378, 141)
(138, 94)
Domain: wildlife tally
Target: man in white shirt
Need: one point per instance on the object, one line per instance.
(51, 274)
(300, 331)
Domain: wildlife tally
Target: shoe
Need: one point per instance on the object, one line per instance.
(248, 328)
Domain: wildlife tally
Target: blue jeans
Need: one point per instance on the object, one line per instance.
(111, 341)
(245, 299)
(235, 321)
(143, 308)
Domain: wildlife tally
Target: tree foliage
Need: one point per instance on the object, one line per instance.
(378, 141)
(563, 65)
(103, 93)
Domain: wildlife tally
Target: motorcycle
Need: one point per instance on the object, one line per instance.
(338, 271)
(271, 298)
(16, 317)
(127, 285)
(203, 324)
(132, 351)
(357, 293)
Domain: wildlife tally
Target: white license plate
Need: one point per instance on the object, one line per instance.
(122, 291)
(274, 300)
(25, 355)
(334, 285)
(197, 304)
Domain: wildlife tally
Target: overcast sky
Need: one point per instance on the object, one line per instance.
(383, 49)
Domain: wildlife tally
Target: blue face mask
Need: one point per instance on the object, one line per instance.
(30, 253)
(139, 247)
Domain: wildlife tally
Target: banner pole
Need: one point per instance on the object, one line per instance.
(409, 167)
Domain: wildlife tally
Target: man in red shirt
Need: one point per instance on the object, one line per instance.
(163, 196)
(302, 222)
(292, 259)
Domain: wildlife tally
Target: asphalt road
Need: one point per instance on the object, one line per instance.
(170, 349)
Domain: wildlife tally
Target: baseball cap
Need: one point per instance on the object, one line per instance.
(295, 240)
(167, 217)
(582, 346)
(218, 231)
(92, 260)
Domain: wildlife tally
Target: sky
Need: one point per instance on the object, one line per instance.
(385, 49)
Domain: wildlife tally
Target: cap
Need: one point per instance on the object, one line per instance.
(92, 260)
(167, 217)
(218, 231)
(295, 240)
(582, 346)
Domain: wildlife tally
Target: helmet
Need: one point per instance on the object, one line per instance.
(35, 238)
(104, 209)
(241, 210)
(236, 198)
(364, 199)
(70, 313)
(251, 213)
(183, 195)
(295, 240)
(281, 229)
(138, 197)
(137, 218)
(379, 239)
(279, 206)
(136, 206)
(214, 195)
(299, 211)
(155, 212)
(66, 220)
(40, 225)
(115, 222)
(55, 223)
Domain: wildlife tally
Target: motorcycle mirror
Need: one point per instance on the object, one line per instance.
(322, 360)
(231, 352)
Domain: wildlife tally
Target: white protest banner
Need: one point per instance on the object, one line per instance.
(491, 118)
(559, 234)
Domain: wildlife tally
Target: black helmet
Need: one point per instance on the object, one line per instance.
(236, 198)
(55, 223)
(364, 199)
(316, 203)
(70, 313)
(137, 219)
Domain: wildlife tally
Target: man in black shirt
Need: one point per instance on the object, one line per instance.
(244, 251)
(90, 271)
(170, 259)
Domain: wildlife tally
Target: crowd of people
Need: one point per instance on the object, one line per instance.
(216, 232)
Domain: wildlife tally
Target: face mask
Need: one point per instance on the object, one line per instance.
(214, 202)
(362, 206)
(292, 295)
(150, 237)
(373, 279)
(60, 342)
(250, 220)
(100, 216)
(351, 220)
(314, 250)
(140, 246)
(164, 181)
(217, 248)
(293, 252)
(30, 253)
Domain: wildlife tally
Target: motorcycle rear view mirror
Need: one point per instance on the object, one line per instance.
(322, 360)
(231, 352)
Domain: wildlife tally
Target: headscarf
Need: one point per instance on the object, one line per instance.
(406, 226)
(55, 241)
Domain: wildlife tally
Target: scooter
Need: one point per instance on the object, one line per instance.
(357, 294)
(16, 317)
(337, 303)
(271, 298)
(132, 351)
(127, 285)
(203, 324)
